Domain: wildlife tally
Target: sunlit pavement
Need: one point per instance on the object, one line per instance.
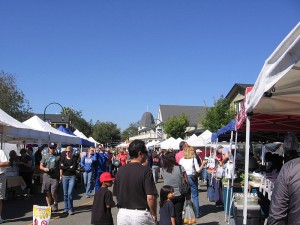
(19, 211)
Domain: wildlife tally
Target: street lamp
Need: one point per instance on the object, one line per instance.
(55, 103)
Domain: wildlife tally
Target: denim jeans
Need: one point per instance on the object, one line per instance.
(87, 178)
(195, 194)
(68, 183)
(155, 170)
(109, 167)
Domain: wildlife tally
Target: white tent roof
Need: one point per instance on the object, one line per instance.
(169, 143)
(54, 134)
(195, 142)
(91, 139)
(152, 143)
(13, 129)
(164, 144)
(80, 134)
(123, 145)
(202, 140)
(193, 137)
(206, 137)
(279, 79)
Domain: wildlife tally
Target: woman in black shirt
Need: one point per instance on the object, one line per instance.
(68, 167)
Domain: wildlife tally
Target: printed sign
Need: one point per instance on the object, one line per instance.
(41, 215)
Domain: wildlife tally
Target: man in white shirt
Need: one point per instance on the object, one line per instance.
(3, 164)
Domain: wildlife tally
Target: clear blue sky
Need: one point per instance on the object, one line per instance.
(112, 59)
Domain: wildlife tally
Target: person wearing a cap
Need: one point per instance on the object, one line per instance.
(135, 189)
(103, 202)
(50, 166)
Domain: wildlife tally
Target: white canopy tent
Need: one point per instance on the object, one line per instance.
(277, 89)
(193, 137)
(80, 134)
(201, 140)
(195, 142)
(152, 143)
(275, 96)
(91, 139)
(166, 144)
(12, 130)
(123, 145)
(54, 134)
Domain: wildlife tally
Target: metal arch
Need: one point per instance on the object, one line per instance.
(52, 103)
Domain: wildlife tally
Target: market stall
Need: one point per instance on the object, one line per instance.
(273, 104)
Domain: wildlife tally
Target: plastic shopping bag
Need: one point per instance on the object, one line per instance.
(189, 214)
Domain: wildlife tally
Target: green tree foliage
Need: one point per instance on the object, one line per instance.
(78, 121)
(12, 99)
(106, 132)
(131, 131)
(176, 126)
(217, 116)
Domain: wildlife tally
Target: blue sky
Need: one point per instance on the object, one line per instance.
(114, 59)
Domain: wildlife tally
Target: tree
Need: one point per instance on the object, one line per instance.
(12, 99)
(176, 126)
(106, 132)
(218, 116)
(78, 121)
(131, 131)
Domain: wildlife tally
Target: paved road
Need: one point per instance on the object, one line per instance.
(19, 212)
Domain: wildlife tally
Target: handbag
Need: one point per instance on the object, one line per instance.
(116, 162)
(184, 187)
(80, 168)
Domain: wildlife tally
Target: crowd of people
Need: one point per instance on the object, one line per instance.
(135, 172)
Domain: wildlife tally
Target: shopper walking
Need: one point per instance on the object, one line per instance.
(50, 165)
(68, 167)
(86, 163)
(135, 189)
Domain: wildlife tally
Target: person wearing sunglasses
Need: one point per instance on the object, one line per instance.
(50, 165)
(68, 165)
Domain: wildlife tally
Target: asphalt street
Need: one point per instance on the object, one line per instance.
(18, 211)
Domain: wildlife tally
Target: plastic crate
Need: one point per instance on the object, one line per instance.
(253, 214)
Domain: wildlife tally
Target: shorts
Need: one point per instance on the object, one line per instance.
(2, 186)
(49, 184)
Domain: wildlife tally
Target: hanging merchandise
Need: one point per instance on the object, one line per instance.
(229, 173)
(219, 172)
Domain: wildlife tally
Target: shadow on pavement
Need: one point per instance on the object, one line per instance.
(209, 223)
(208, 209)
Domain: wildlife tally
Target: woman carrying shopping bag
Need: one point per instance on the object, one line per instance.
(192, 169)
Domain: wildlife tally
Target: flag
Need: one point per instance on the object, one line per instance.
(158, 132)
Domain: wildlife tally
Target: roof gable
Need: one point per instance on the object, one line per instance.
(237, 89)
(193, 112)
